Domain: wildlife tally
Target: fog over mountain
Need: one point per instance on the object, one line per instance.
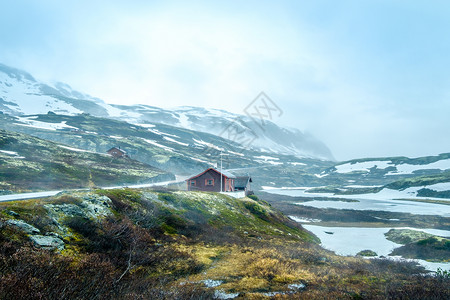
(22, 94)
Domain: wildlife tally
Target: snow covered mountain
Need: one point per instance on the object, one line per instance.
(392, 171)
(22, 94)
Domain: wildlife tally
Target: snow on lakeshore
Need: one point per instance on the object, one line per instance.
(304, 220)
(401, 169)
(384, 194)
(385, 200)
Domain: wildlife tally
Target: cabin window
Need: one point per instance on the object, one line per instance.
(192, 183)
(209, 181)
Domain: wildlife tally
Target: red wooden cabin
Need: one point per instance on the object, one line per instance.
(209, 181)
(117, 152)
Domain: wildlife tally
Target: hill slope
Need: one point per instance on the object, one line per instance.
(181, 245)
(177, 150)
(29, 163)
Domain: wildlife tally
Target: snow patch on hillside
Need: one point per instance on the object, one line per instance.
(363, 166)
(405, 169)
(75, 149)
(159, 145)
(402, 169)
(206, 144)
(175, 141)
(26, 97)
(29, 122)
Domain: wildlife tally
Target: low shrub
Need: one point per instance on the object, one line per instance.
(253, 197)
(167, 197)
(256, 210)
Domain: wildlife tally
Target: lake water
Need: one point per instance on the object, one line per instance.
(366, 203)
(351, 240)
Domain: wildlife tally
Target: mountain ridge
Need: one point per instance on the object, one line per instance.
(22, 94)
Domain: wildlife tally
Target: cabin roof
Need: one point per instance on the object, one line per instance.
(224, 173)
(242, 181)
(121, 150)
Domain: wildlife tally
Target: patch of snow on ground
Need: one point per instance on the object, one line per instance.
(235, 153)
(9, 152)
(304, 220)
(200, 160)
(203, 143)
(175, 141)
(146, 125)
(297, 164)
(27, 95)
(75, 149)
(266, 158)
(183, 121)
(43, 125)
(156, 131)
(212, 283)
(159, 145)
(271, 162)
(12, 153)
(117, 112)
(220, 294)
(363, 166)
(320, 175)
(404, 169)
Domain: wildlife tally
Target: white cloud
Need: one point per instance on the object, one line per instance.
(342, 75)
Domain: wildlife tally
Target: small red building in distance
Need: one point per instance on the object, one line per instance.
(209, 181)
(117, 152)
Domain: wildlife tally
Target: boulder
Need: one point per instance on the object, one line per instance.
(65, 210)
(27, 228)
(47, 242)
(96, 205)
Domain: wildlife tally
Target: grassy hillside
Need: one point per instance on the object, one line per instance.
(177, 150)
(29, 164)
(419, 181)
(147, 244)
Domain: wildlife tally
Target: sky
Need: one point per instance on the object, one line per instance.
(368, 78)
